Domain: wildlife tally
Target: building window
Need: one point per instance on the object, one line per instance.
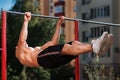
(51, 7)
(92, 13)
(106, 11)
(85, 16)
(100, 12)
(85, 36)
(59, 9)
(85, 2)
(97, 31)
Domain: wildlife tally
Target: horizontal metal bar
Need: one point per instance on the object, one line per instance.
(70, 19)
(35, 15)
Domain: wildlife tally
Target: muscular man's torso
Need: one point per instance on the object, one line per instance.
(28, 55)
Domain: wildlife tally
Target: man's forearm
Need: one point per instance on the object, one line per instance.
(56, 35)
(24, 31)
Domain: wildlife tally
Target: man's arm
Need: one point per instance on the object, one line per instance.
(24, 31)
(56, 35)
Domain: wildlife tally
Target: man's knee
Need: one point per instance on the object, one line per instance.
(70, 49)
(65, 48)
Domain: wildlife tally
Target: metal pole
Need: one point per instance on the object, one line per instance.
(77, 62)
(4, 59)
(70, 19)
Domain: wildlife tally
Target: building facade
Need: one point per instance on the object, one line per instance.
(103, 11)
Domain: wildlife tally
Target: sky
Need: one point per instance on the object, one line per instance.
(6, 4)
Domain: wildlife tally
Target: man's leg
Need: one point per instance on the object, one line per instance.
(77, 49)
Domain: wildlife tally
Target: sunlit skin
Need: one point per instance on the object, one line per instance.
(28, 55)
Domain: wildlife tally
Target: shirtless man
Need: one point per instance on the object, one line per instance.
(52, 54)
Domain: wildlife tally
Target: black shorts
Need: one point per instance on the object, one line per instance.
(51, 57)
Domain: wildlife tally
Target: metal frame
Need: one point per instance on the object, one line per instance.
(4, 47)
(70, 19)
